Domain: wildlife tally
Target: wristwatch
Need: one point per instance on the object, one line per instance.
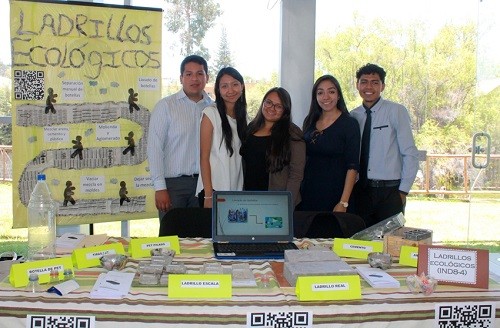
(345, 204)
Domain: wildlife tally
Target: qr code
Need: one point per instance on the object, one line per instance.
(280, 319)
(465, 315)
(29, 85)
(59, 321)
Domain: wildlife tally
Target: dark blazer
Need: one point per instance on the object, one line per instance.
(291, 176)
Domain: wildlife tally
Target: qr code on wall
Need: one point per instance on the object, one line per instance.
(29, 85)
(465, 315)
(59, 321)
(280, 319)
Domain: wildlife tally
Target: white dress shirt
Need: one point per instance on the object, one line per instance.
(174, 137)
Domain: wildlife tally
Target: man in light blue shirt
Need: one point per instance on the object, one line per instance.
(174, 138)
(391, 160)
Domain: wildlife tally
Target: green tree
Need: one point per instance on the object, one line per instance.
(433, 75)
(192, 19)
(5, 134)
(4, 70)
(5, 105)
(434, 79)
(5, 110)
(224, 58)
(452, 74)
(486, 118)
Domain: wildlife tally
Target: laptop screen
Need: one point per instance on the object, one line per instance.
(252, 216)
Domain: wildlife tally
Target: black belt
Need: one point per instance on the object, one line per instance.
(190, 175)
(383, 183)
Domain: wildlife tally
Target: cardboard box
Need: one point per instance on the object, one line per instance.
(395, 239)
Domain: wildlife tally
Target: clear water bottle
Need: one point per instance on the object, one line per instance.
(33, 284)
(68, 274)
(41, 222)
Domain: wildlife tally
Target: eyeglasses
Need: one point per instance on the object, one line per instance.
(277, 107)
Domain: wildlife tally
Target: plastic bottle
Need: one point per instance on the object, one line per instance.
(33, 284)
(41, 222)
(68, 274)
(377, 231)
(54, 276)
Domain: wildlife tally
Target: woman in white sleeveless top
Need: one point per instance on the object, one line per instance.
(223, 126)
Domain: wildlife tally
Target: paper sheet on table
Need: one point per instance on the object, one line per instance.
(112, 284)
(377, 278)
(69, 240)
(83, 241)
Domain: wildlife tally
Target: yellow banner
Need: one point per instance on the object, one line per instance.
(85, 79)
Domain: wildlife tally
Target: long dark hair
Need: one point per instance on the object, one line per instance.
(278, 150)
(240, 109)
(315, 110)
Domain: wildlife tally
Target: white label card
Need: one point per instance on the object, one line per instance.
(453, 265)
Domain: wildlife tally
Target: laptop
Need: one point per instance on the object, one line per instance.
(252, 224)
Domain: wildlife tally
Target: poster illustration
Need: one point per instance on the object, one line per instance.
(85, 79)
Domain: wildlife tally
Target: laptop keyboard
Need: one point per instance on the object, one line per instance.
(255, 247)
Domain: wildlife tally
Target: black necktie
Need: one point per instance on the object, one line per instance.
(365, 149)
